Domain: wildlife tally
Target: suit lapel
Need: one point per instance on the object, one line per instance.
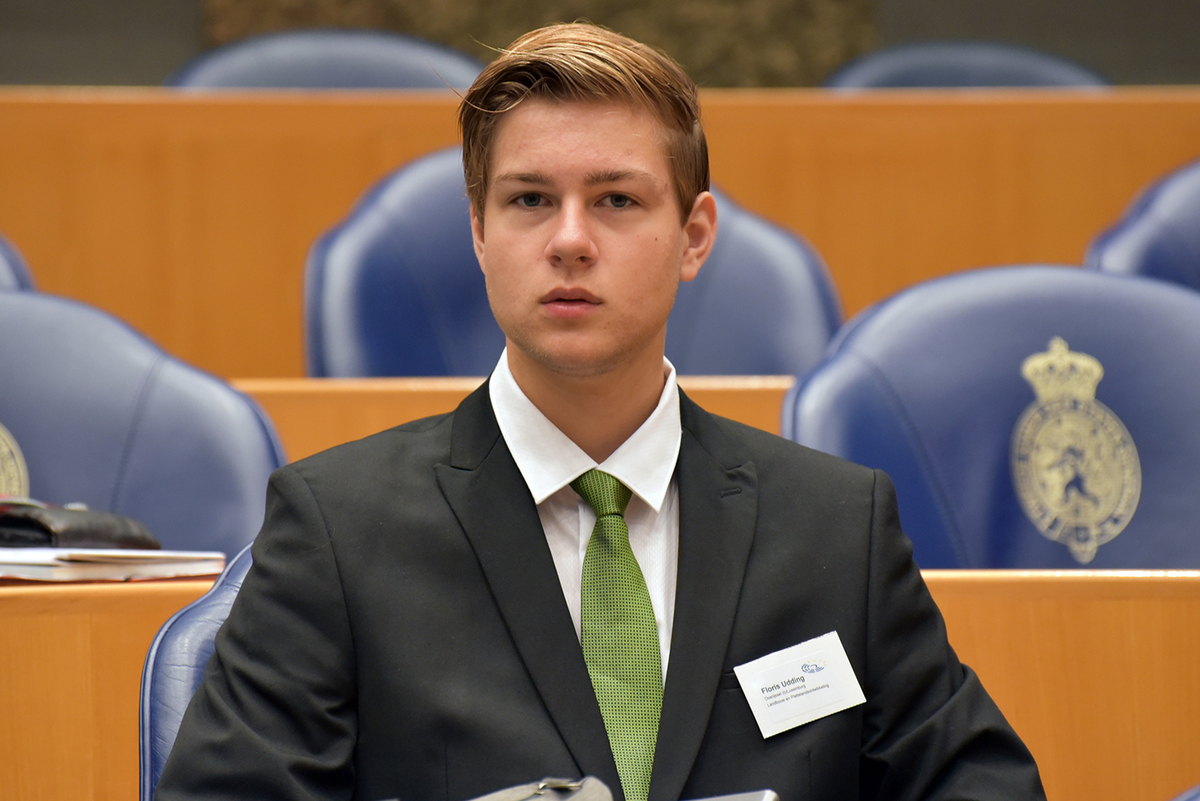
(718, 503)
(492, 503)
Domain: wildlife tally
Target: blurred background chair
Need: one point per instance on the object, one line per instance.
(1189, 795)
(329, 59)
(395, 289)
(14, 272)
(1159, 234)
(928, 386)
(960, 64)
(175, 665)
(106, 418)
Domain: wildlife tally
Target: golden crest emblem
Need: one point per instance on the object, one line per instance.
(14, 475)
(1075, 468)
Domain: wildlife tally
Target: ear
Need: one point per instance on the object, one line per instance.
(477, 236)
(700, 229)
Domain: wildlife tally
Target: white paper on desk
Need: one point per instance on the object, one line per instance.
(104, 564)
(57, 556)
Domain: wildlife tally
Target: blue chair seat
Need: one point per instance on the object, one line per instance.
(1192, 794)
(106, 418)
(14, 272)
(175, 665)
(328, 59)
(960, 64)
(929, 387)
(1158, 236)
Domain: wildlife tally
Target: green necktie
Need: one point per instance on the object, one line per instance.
(619, 636)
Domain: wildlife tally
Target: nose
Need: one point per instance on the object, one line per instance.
(571, 242)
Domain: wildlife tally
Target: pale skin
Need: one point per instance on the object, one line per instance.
(583, 250)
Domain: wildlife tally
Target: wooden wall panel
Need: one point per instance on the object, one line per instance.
(190, 216)
(894, 188)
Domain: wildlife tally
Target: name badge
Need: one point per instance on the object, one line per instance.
(800, 684)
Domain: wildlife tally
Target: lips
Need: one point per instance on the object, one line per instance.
(569, 302)
(570, 295)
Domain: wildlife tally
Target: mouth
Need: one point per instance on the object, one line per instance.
(569, 301)
(569, 295)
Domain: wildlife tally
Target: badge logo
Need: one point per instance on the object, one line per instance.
(14, 475)
(1075, 468)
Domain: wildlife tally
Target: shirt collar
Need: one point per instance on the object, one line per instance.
(549, 461)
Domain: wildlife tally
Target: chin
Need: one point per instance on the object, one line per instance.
(576, 362)
(579, 367)
(580, 354)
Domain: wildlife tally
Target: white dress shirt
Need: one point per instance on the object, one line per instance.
(645, 463)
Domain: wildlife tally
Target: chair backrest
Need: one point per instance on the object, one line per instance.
(1159, 234)
(395, 289)
(936, 387)
(960, 64)
(106, 418)
(175, 665)
(14, 272)
(329, 59)
(1192, 794)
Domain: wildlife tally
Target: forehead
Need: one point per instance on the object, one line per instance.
(572, 133)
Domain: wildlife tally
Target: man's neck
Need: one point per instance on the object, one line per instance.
(597, 413)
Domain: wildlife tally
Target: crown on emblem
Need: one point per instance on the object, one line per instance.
(1061, 373)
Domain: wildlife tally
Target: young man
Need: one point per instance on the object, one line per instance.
(436, 612)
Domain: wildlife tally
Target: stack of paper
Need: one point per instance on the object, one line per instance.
(99, 564)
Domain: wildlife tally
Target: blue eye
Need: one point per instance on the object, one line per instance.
(620, 201)
(530, 200)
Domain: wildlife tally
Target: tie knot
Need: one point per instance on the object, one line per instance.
(604, 493)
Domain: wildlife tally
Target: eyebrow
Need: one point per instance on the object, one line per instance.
(535, 178)
(593, 179)
(615, 176)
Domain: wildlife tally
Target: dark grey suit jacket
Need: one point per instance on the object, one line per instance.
(402, 633)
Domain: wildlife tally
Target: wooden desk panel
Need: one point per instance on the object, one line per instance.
(312, 414)
(71, 659)
(1099, 672)
(190, 215)
(1096, 671)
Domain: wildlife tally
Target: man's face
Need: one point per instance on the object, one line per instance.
(583, 247)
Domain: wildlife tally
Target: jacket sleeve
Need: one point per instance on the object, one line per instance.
(930, 730)
(275, 714)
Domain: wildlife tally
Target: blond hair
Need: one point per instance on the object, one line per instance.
(584, 62)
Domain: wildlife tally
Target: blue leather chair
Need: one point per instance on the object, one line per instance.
(175, 665)
(328, 59)
(959, 64)
(14, 272)
(1189, 795)
(106, 418)
(395, 289)
(1159, 234)
(928, 386)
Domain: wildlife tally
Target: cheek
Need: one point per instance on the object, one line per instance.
(505, 282)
